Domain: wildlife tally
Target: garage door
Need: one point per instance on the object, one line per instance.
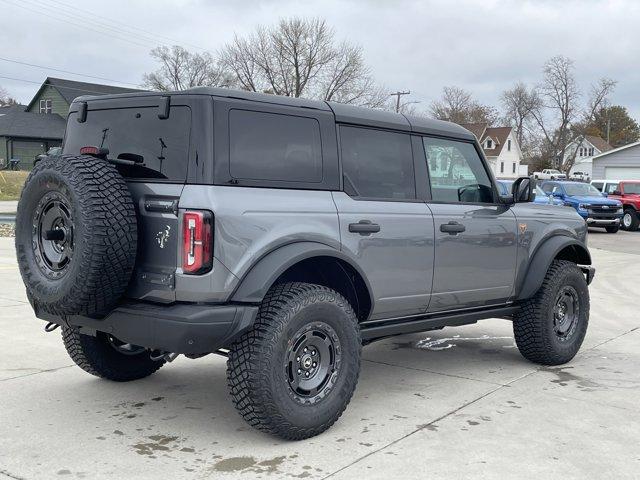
(26, 151)
(622, 173)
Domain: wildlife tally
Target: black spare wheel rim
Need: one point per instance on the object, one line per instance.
(312, 362)
(566, 313)
(52, 235)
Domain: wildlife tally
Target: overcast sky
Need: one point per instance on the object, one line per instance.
(483, 46)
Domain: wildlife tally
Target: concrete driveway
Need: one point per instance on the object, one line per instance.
(456, 403)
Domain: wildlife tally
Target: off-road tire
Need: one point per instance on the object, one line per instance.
(256, 376)
(533, 324)
(96, 356)
(612, 229)
(103, 236)
(635, 220)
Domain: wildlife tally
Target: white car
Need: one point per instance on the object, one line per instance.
(579, 177)
(549, 174)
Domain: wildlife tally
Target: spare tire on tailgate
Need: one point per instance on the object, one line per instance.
(76, 236)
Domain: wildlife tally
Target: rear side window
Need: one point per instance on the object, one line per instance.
(160, 147)
(377, 164)
(271, 146)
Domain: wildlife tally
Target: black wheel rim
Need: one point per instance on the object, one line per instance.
(566, 313)
(312, 362)
(52, 235)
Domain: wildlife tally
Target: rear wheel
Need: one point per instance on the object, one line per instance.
(612, 229)
(550, 327)
(293, 374)
(106, 357)
(630, 220)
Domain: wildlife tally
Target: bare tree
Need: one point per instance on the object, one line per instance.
(459, 106)
(5, 99)
(299, 58)
(560, 108)
(519, 104)
(181, 69)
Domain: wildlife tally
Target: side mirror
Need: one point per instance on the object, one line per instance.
(558, 194)
(617, 192)
(524, 189)
(604, 194)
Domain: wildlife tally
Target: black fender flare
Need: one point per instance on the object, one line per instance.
(540, 261)
(262, 275)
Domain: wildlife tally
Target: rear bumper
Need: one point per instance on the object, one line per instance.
(178, 328)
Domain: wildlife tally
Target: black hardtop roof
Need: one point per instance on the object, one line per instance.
(347, 114)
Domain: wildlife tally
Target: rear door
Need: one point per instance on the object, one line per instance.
(382, 224)
(153, 154)
(475, 237)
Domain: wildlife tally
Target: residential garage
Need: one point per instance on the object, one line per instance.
(619, 164)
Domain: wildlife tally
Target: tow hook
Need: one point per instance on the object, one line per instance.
(50, 327)
(158, 356)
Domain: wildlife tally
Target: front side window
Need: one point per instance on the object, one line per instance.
(274, 147)
(598, 185)
(45, 106)
(456, 172)
(612, 187)
(377, 164)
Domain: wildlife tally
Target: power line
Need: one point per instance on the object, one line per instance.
(66, 71)
(116, 22)
(83, 25)
(85, 90)
(93, 19)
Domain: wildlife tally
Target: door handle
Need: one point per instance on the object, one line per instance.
(452, 228)
(364, 227)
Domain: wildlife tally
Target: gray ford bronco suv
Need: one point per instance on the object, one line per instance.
(285, 234)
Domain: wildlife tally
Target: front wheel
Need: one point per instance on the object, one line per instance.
(293, 374)
(549, 328)
(630, 220)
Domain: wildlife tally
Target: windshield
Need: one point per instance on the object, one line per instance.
(632, 188)
(581, 190)
(553, 171)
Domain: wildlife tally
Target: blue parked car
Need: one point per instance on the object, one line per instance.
(593, 206)
(541, 197)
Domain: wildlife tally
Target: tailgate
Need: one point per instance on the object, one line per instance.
(158, 241)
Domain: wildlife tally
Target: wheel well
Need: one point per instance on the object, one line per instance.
(574, 253)
(335, 274)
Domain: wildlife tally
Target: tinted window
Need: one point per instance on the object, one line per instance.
(270, 146)
(160, 147)
(377, 164)
(598, 185)
(456, 172)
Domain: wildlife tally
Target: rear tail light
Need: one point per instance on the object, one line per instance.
(197, 242)
(94, 151)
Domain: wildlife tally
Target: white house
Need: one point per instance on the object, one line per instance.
(590, 147)
(501, 148)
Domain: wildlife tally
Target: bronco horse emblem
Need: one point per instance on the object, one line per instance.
(162, 236)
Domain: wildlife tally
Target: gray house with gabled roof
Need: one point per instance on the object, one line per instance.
(27, 131)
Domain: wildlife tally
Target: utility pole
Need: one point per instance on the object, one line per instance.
(398, 94)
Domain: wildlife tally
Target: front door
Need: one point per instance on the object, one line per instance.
(475, 237)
